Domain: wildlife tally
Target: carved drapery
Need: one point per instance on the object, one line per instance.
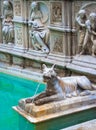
(39, 32)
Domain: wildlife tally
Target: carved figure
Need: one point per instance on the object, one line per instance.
(39, 33)
(60, 88)
(8, 29)
(81, 19)
(90, 33)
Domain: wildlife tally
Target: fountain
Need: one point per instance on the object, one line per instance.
(59, 34)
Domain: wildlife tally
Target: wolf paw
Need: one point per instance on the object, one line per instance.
(29, 100)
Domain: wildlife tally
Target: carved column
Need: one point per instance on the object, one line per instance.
(21, 31)
(20, 23)
(57, 27)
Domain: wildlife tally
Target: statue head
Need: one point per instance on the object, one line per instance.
(7, 4)
(48, 73)
(34, 5)
(7, 8)
(82, 13)
(92, 17)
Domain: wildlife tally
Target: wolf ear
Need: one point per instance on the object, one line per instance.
(53, 66)
(44, 66)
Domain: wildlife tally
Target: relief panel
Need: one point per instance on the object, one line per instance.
(86, 27)
(18, 61)
(56, 12)
(57, 42)
(18, 34)
(5, 58)
(17, 8)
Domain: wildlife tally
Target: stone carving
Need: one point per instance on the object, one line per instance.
(17, 8)
(56, 12)
(39, 33)
(5, 58)
(59, 88)
(8, 29)
(58, 45)
(18, 34)
(90, 33)
(80, 20)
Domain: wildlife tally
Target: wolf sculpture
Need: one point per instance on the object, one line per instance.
(59, 88)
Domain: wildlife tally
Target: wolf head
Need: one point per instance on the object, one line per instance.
(48, 73)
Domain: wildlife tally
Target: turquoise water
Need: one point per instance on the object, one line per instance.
(11, 90)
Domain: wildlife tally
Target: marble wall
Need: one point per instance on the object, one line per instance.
(44, 31)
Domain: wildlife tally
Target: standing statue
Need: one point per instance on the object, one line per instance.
(8, 29)
(39, 33)
(90, 33)
(80, 20)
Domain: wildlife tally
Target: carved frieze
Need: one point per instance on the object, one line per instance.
(5, 58)
(18, 61)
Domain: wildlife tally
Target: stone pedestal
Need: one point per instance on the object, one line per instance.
(68, 110)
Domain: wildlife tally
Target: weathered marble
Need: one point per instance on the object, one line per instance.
(60, 19)
(55, 109)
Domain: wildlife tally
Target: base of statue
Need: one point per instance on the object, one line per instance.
(56, 109)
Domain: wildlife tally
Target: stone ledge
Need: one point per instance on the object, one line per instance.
(50, 58)
(57, 109)
(85, 64)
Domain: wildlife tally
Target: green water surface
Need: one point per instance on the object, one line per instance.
(11, 90)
